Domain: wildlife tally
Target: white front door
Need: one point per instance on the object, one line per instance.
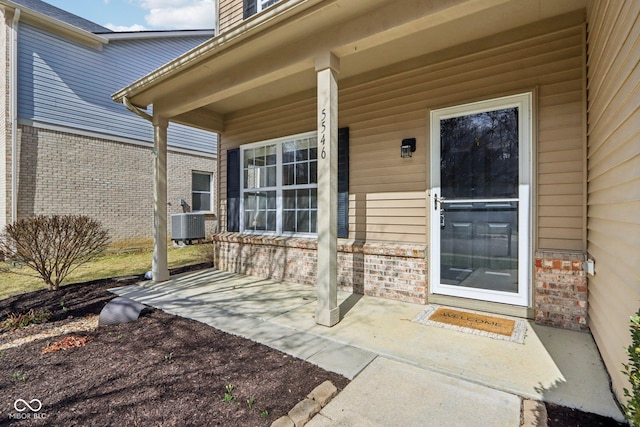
(480, 200)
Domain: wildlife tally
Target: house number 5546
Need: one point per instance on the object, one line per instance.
(323, 131)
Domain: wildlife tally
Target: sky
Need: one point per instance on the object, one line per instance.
(141, 15)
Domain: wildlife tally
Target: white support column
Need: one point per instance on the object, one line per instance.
(159, 268)
(327, 310)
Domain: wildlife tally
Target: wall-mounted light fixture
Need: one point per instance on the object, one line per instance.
(407, 147)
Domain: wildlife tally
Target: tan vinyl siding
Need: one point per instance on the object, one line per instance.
(375, 216)
(229, 14)
(388, 193)
(614, 177)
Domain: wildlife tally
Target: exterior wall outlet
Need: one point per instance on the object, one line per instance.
(590, 266)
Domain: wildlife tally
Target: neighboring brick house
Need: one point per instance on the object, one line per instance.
(473, 153)
(66, 148)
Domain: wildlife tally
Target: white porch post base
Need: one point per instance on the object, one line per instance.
(159, 268)
(327, 317)
(327, 309)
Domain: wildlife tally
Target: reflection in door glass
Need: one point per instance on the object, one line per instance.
(479, 155)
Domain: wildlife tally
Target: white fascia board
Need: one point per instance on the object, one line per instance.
(58, 27)
(137, 35)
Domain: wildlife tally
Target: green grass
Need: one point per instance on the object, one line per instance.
(111, 264)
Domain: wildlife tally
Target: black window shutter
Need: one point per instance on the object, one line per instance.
(233, 190)
(250, 8)
(343, 182)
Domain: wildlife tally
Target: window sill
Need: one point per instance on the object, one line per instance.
(207, 214)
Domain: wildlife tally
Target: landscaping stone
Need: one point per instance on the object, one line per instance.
(323, 393)
(283, 421)
(304, 411)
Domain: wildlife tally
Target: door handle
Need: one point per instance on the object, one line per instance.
(437, 200)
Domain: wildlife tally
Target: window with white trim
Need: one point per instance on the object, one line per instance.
(279, 186)
(201, 183)
(263, 4)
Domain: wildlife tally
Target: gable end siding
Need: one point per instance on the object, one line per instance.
(65, 84)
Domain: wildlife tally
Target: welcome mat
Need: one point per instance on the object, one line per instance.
(474, 322)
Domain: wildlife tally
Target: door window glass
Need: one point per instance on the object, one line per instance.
(479, 155)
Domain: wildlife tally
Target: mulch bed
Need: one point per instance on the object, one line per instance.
(160, 370)
(560, 416)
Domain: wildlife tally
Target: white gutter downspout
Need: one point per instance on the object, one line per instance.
(136, 110)
(14, 115)
(159, 266)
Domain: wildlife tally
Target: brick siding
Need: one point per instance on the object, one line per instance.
(64, 173)
(398, 271)
(561, 290)
(390, 270)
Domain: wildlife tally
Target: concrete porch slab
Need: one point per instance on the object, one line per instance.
(261, 298)
(218, 308)
(553, 365)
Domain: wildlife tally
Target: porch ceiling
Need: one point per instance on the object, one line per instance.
(272, 54)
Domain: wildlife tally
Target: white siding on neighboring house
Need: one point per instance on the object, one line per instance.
(614, 177)
(66, 84)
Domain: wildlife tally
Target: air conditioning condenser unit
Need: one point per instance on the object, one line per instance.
(186, 227)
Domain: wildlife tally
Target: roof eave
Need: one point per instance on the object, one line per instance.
(234, 37)
(56, 26)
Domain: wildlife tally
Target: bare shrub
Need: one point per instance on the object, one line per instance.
(52, 246)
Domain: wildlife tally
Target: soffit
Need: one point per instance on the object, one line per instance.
(366, 35)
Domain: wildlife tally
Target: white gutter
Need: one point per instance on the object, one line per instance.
(14, 115)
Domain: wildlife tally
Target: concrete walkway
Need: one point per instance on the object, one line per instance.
(404, 373)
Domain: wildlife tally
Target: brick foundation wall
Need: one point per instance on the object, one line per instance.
(390, 270)
(64, 173)
(561, 290)
(399, 271)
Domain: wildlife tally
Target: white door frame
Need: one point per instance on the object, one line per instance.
(525, 144)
